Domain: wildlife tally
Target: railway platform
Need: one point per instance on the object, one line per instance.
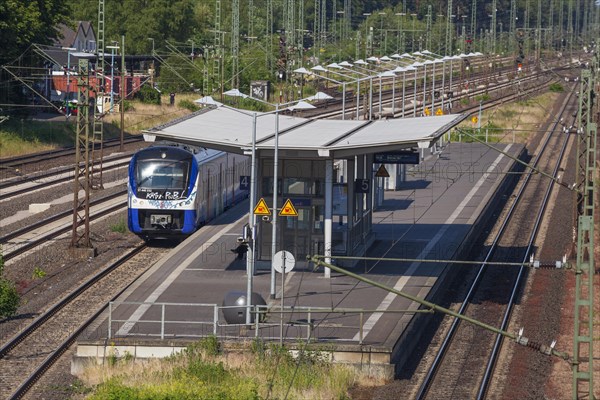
(438, 213)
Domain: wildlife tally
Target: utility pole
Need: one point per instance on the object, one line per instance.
(95, 167)
(512, 32)
(123, 93)
(218, 48)
(538, 35)
(526, 26)
(235, 43)
(583, 337)
(269, 35)
(449, 29)
(428, 30)
(570, 28)
(561, 23)
(473, 19)
(80, 239)
(347, 18)
(493, 27)
(317, 30)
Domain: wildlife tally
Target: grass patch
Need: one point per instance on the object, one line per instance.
(511, 121)
(556, 87)
(120, 226)
(26, 136)
(202, 371)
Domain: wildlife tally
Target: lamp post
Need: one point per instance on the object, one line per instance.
(237, 93)
(415, 66)
(304, 71)
(358, 80)
(251, 217)
(69, 49)
(112, 75)
(192, 55)
(367, 76)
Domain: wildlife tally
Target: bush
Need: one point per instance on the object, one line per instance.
(556, 88)
(148, 95)
(188, 104)
(9, 297)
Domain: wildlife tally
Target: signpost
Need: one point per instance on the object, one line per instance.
(261, 208)
(283, 262)
(288, 209)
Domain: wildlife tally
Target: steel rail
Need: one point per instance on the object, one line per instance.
(38, 322)
(66, 228)
(7, 184)
(425, 386)
(496, 349)
(12, 162)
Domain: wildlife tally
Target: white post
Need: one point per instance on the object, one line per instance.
(443, 82)
(343, 100)
(328, 213)
(415, 94)
(424, 87)
(357, 99)
(380, 94)
(112, 79)
(433, 91)
(274, 220)
(403, 91)
(393, 95)
(250, 255)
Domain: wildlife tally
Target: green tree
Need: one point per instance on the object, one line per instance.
(23, 22)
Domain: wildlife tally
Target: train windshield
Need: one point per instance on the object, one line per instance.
(162, 174)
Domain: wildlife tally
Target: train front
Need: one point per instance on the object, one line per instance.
(162, 192)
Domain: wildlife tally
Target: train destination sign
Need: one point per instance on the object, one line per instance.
(396, 157)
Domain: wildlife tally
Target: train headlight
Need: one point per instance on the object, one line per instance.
(163, 155)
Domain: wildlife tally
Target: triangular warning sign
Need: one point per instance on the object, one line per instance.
(262, 208)
(288, 209)
(382, 172)
(439, 112)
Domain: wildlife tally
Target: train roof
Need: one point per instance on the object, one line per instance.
(230, 130)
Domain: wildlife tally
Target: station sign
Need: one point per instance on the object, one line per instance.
(362, 186)
(244, 182)
(396, 157)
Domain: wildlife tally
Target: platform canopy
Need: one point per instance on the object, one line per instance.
(230, 130)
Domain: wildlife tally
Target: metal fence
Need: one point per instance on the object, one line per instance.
(193, 320)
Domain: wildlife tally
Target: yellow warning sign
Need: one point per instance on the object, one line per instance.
(427, 111)
(262, 208)
(382, 172)
(439, 112)
(474, 119)
(288, 209)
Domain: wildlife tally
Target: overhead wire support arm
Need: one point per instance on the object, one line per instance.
(535, 170)
(518, 338)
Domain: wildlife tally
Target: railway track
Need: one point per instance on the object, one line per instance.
(36, 235)
(464, 363)
(40, 158)
(12, 188)
(44, 342)
(26, 356)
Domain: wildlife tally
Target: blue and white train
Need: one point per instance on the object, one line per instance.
(173, 190)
